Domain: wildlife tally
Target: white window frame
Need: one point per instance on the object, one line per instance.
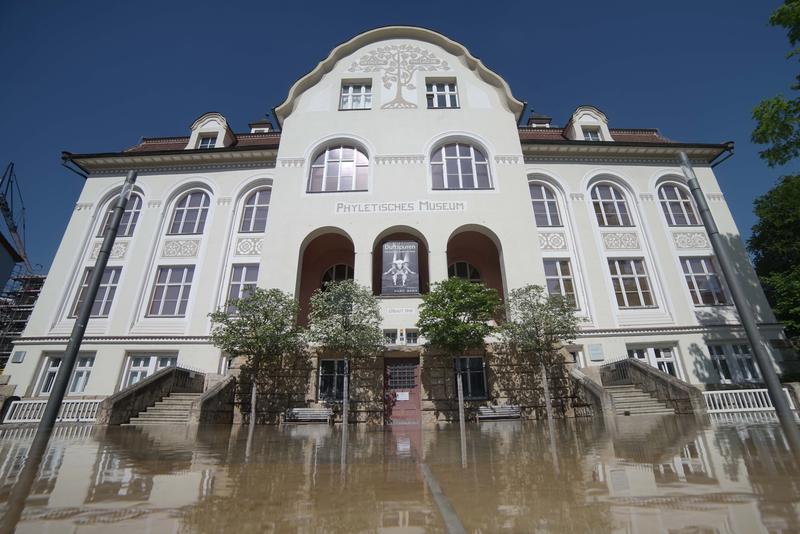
(353, 91)
(638, 277)
(721, 363)
(207, 141)
(240, 288)
(707, 275)
(560, 278)
(616, 206)
(683, 203)
(660, 357)
(333, 272)
(591, 133)
(183, 293)
(78, 380)
(155, 362)
(320, 169)
(253, 205)
(447, 90)
(744, 362)
(413, 334)
(182, 209)
(391, 335)
(465, 377)
(473, 274)
(440, 159)
(130, 216)
(548, 205)
(105, 293)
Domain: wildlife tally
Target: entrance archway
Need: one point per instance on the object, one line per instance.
(473, 255)
(328, 256)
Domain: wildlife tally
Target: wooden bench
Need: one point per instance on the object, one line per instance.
(499, 412)
(307, 415)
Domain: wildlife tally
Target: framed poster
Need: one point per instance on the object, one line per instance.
(400, 268)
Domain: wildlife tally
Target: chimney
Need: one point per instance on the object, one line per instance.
(539, 121)
(261, 126)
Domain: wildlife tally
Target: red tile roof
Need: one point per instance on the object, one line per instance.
(627, 135)
(158, 144)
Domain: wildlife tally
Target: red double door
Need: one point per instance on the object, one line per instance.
(402, 391)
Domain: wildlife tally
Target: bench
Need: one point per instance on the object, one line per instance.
(499, 412)
(307, 415)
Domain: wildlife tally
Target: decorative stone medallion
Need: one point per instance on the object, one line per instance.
(118, 251)
(621, 241)
(181, 248)
(552, 241)
(249, 246)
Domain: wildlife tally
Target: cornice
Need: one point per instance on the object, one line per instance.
(174, 160)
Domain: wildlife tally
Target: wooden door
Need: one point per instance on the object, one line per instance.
(402, 391)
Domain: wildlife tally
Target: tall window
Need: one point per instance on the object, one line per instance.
(340, 168)
(473, 377)
(460, 166)
(662, 358)
(720, 362)
(80, 375)
(142, 366)
(254, 214)
(243, 282)
(545, 205)
(610, 206)
(441, 95)
(356, 96)
(337, 273)
(105, 293)
(190, 214)
(558, 276)
(703, 282)
(744, 361)
(331, 380)
(631, 285)
(462, 269)
(171, 291)
(129, 217)
(677, 206)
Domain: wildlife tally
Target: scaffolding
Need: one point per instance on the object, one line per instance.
(16, 304)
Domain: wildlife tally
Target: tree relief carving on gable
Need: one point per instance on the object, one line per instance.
(399, 64)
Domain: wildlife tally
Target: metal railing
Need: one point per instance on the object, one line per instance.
(72, 411)
(741, 400)
(616, 372)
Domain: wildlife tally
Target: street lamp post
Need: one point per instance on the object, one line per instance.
(744, 307)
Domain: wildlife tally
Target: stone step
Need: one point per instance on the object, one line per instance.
(180, 403)
(171, 417)
(645, 400)
(180, 395)
(166, 410)
(148, 423)
(653, 410)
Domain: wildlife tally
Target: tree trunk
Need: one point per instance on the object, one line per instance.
(345, 411)
(547, 404)
(461, 422)
(253, 397)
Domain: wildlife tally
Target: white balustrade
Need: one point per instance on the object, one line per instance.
(72, 411)
(741, 400)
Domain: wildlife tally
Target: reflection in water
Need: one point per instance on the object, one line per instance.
(638, 474)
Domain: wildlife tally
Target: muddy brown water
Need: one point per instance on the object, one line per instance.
(637, 474)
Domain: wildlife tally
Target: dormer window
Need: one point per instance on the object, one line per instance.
(591, 133)
(207, 142)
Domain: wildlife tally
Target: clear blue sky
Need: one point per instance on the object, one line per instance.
(96, 76)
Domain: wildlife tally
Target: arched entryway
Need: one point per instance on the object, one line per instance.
(400, 263)
(325, 256)
(474, 255)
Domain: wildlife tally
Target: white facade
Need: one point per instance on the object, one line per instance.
(400, 136)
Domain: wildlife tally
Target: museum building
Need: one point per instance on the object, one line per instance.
(400, 160)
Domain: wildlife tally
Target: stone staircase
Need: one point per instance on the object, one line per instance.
(634, 401)
(171, 410)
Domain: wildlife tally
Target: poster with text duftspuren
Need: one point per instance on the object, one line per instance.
(400, 273)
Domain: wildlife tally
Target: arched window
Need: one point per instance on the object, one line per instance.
(460, 166)
(190, 214)
(129, 218)
(545, 206)
(610, 206)
(337, 273)
(254, 214)
(677, 206)
(462, 269)
(339, 168)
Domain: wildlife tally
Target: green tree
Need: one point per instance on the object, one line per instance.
(261, 327)
(537, 326)
(775, 246)
(456, 316)
(345, 319)
(778, 118)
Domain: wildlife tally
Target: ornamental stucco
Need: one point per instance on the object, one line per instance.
(689, 240)
(118, 251)
(552, 241)
(181, 248)
(249, 246)
(621, 240)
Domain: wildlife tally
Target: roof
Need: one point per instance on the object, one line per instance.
(528, 134)
(161, 144)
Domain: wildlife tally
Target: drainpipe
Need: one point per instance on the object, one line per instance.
(744, 307)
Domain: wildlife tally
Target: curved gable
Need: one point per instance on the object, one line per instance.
(428, 62)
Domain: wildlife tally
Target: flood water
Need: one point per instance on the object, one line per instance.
(637, 474)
